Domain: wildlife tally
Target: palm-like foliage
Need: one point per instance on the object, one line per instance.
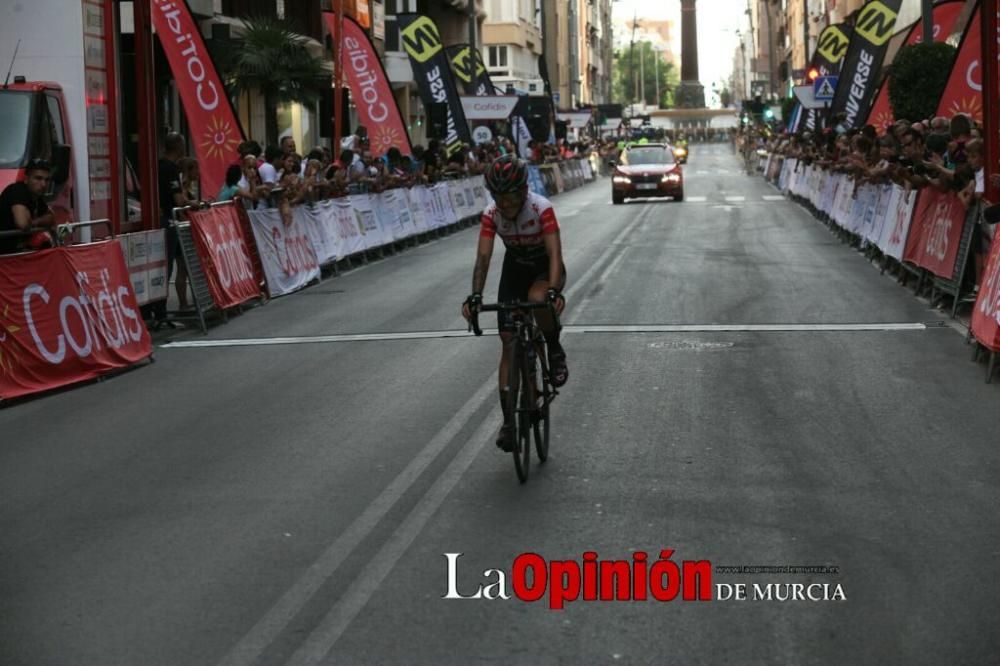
(271, 58)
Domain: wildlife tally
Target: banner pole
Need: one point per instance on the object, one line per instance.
(991, 104)
(148, 135)
(338, 74)
(471, 60)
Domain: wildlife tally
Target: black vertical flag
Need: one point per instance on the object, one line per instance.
(475, 82)
(422, 42)
(829, 55)
(859, 75)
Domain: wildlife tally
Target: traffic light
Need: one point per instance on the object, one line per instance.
(813, 74)
(768, 113)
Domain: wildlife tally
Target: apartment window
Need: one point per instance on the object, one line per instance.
(400, 6)
(497, 56)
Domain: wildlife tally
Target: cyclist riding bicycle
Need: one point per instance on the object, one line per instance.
(533, 269)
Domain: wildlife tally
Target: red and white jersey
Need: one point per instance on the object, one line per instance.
(525, 235)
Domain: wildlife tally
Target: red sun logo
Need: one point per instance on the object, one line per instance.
(971, 105)
(385, 138)
(218, 140)
(883, 121)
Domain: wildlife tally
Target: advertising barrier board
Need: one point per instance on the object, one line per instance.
(67, 315)
(224, 254)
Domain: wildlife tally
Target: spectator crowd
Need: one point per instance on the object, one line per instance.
(280, 175)
(946, 154)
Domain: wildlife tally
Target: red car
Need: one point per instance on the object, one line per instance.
(646, 170)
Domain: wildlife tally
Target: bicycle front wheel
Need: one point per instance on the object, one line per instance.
(540, 416)
(517, 390)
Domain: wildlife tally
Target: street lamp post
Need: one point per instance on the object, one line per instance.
(656, 67)
(642, 76)
(470, 62)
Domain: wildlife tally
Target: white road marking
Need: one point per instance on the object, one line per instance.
(773, 197)
(611, 267)
(322, 639)
(736, 198)
(277, 618)
(642, 328)
(745, 328)
(697, 199)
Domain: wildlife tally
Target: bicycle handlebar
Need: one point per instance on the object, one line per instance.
(497, 307)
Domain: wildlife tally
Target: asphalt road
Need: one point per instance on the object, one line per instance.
(755, 394)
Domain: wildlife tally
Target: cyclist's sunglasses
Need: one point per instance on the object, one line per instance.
(509, 198)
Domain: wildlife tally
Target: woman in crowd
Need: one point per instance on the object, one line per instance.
(231, 189)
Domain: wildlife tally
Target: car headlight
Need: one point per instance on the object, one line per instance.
(621, 180)
(680, 152)
(670, 178)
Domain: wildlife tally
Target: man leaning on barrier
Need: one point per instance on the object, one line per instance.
(23, 207)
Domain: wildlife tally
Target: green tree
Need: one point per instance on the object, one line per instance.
(624, 86)
(271, 58)
(917, 78)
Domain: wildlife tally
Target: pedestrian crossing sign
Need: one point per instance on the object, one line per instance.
(824, 87)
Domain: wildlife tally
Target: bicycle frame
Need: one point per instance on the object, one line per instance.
(527, 332)
(529, 417)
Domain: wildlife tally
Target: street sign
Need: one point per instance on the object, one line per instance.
(807, 98)
(482, 134)
(824, 88)
(555, 97)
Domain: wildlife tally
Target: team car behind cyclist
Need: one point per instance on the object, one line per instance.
(533, 268)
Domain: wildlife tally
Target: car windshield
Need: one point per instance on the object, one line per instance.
(651, 155)
(15, 118)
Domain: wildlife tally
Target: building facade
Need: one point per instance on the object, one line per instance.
(512, 44)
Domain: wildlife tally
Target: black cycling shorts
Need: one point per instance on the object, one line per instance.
(516, 278)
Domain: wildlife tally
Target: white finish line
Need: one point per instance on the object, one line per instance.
(641, 328)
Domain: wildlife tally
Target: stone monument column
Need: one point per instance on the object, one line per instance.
(690, 93)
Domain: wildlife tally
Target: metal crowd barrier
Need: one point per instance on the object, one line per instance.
(940, 286)
(61, 234)
(27, 233)
(204, 304)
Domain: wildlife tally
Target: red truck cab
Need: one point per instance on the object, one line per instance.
(34, 123)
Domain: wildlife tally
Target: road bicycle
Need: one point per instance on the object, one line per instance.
(529, 387)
